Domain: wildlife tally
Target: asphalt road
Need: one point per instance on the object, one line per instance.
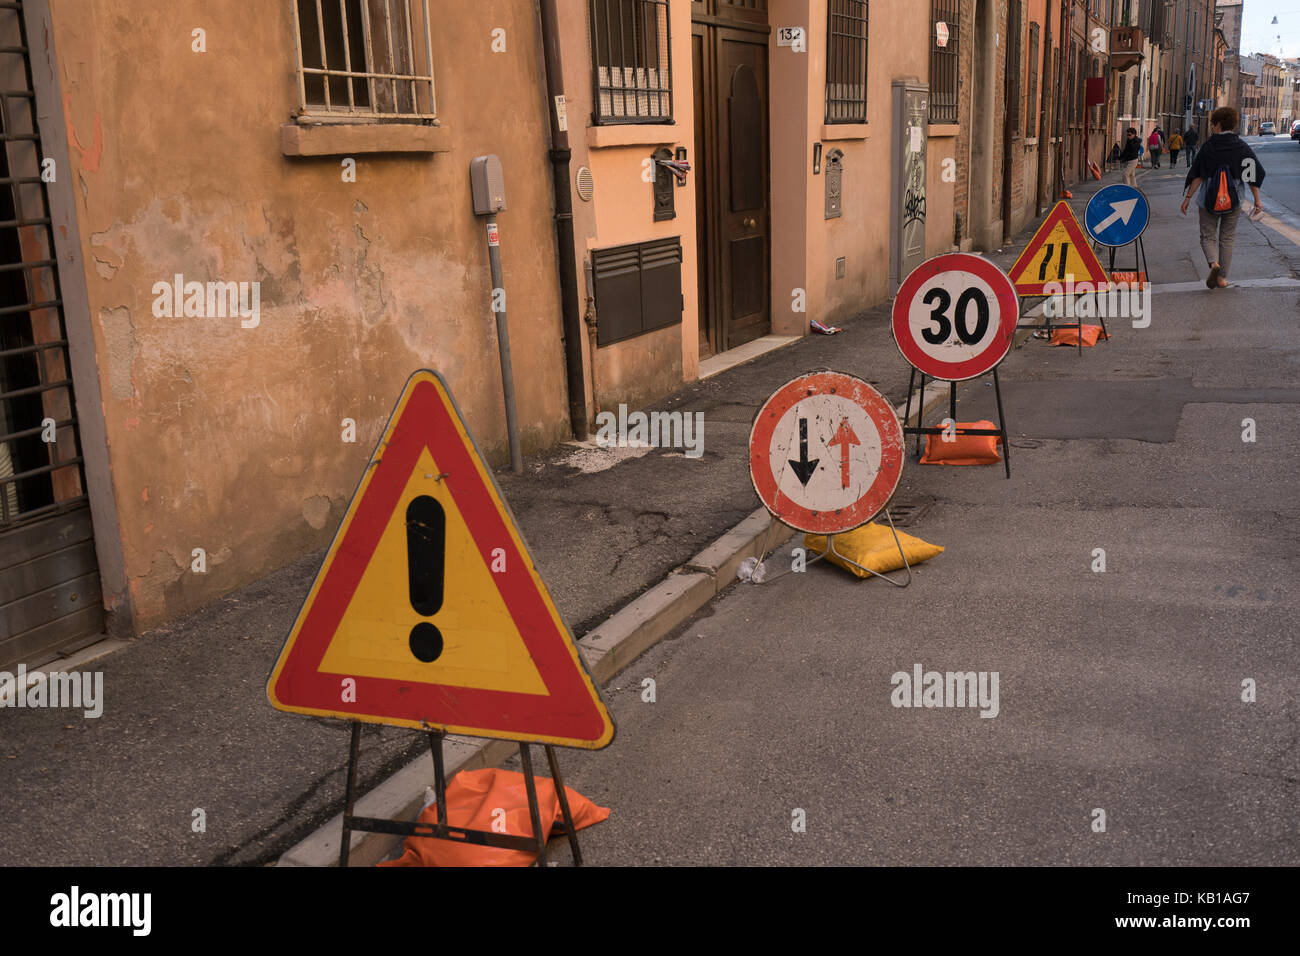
(1118, 691)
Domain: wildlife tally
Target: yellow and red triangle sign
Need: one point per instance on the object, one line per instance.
(1059, 253)
(428, 611)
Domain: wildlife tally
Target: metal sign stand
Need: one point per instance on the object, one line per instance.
(1048, 326)
(830, 551)
(1139, 260)
(918, 430)
(442, 830)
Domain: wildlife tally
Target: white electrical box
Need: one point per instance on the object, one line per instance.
(487, 184)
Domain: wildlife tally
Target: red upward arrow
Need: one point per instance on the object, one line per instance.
(844, 436)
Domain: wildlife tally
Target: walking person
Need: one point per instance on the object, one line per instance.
(1222, 169)
(1154, 147)
(1129, 156)
(1190, 139)
(1175, 145)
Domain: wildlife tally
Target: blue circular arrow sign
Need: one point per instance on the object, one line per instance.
(1117, 215)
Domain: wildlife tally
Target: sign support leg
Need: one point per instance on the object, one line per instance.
(907, 409)
(346, 845)
(1002, 424)
(439, 779)
(534, 813)
(920, 414)
(563, 797)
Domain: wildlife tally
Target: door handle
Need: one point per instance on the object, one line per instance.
(750, 223)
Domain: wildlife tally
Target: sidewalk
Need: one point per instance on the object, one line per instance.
(186, 723)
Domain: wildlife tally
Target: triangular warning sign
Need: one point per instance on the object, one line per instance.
(1059, 253)
(427, 611)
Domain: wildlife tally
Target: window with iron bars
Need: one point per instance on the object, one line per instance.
(846, 61)
(631, 60)
(943, 62)
(364, 60)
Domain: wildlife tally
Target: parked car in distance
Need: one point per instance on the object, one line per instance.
(1295, 130)
(1266, 129)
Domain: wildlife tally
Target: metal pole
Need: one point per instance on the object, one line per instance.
(1044, 130)
(534, 812)
(560, 155)
(439, 779)
(353, 752)
(503, 344)
(564, 805)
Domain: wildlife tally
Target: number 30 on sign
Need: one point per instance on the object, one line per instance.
(955, 317)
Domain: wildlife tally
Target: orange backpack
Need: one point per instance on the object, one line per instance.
(1221, 196)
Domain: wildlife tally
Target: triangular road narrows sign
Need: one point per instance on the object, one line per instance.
(427, 611)
(1058, 253)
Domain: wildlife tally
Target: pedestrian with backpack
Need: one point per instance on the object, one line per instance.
(1190, 139)
(1223, 167)
(1154, 147)
(1175, 144)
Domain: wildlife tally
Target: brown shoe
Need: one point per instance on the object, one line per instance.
(1213, 281)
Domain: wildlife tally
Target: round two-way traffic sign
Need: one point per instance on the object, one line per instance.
(825, 453)
(955, 316)
(1117, 215)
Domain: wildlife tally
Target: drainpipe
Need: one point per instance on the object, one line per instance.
(1007, 85)
(560, 155)
(1044, 130)
(1066, 31)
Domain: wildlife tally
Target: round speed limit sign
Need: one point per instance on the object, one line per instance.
(955, 317)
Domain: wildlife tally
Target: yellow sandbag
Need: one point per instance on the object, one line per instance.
(872, 546)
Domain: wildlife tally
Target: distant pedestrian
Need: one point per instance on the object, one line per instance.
(1154, 147)
(1129, 156)
(1190, 140)
(1221, 171)
(1175, 145)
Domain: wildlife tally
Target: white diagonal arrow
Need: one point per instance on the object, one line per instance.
(1122, 210)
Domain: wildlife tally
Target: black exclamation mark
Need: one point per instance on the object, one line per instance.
(426, 539)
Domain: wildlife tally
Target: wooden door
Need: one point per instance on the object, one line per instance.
(732, 152)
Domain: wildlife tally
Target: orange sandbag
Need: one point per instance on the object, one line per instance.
(473, 796)
(963, 449)
(1091, 333)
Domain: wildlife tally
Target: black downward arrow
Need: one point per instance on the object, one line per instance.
(804, 468)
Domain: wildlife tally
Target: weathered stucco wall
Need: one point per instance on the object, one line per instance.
(640, 370)
(229, 438)
(806, 245)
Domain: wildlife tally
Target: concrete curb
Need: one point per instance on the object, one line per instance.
(607, 649)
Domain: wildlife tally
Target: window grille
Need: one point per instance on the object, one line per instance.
(632, 62)
(943, 62)
(846, 61)
(362, 59)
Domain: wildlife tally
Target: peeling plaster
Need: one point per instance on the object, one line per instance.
(107, 263)
(316, 511)
(369, 282)
(89, 157)
(122, 350)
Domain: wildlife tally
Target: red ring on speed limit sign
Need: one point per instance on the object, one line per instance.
(965, 305)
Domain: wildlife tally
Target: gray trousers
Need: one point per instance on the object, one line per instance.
(1216, 237)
